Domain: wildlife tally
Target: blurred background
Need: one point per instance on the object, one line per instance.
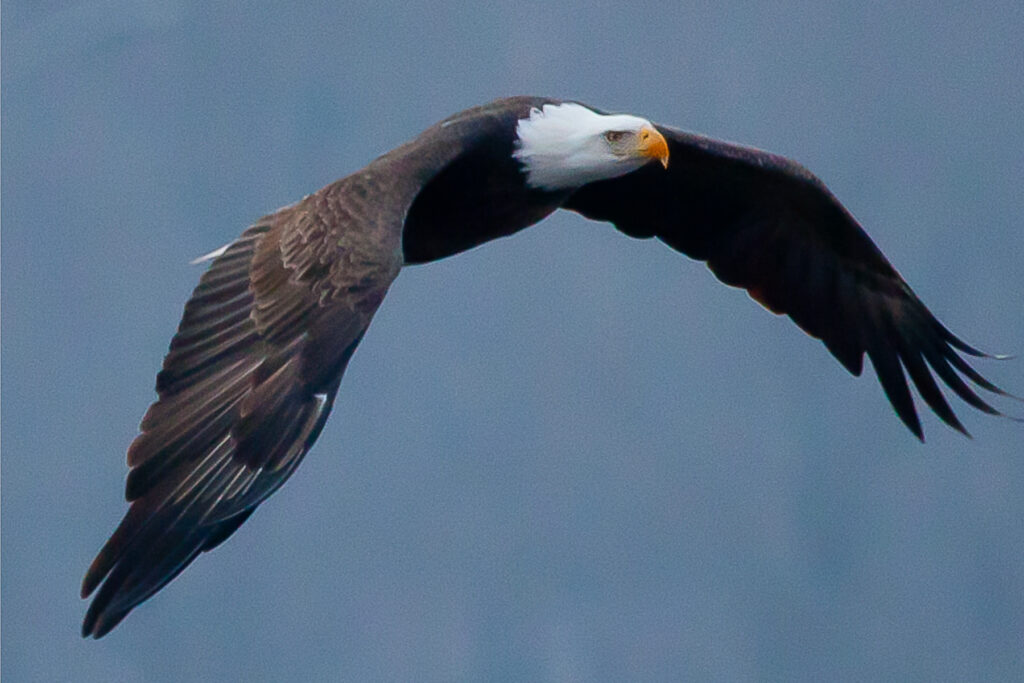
(566, 455)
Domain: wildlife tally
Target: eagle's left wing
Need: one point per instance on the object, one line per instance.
(765, 223)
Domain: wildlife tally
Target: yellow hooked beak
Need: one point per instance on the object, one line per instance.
(652, 145)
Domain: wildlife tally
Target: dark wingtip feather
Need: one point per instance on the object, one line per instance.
(963, 346)
(89, 623)
(92, 577)
(98, 625)
(915, 365)
(894, 384)
(973, 375)
(876, 332)
(944, 359)
(959, 343)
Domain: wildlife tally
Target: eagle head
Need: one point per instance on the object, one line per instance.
(565, 146)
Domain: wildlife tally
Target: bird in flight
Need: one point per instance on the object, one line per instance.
(255, 366)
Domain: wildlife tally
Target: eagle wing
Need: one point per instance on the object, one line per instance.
(244, 391)
(764, 223)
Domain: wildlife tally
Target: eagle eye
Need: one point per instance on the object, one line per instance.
(614, 135)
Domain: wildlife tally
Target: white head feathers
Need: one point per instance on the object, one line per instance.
(564, 146)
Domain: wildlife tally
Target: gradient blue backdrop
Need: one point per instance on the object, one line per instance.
(566, 455)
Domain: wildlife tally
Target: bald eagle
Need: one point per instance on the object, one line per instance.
(255, 365)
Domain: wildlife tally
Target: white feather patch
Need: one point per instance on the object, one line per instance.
(209, 257)
(562, 146)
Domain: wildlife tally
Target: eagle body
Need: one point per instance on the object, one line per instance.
(479, 193)
(257, 360)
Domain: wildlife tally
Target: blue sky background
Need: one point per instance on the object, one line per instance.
(563, 456)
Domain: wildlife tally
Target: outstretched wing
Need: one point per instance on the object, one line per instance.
(244, 392)
(765, 223)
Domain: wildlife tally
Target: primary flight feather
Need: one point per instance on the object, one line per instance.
(254, 368)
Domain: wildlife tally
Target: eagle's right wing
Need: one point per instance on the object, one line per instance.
(244, 391)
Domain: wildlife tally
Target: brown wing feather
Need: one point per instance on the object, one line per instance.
(765, 223)
(245, 389)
